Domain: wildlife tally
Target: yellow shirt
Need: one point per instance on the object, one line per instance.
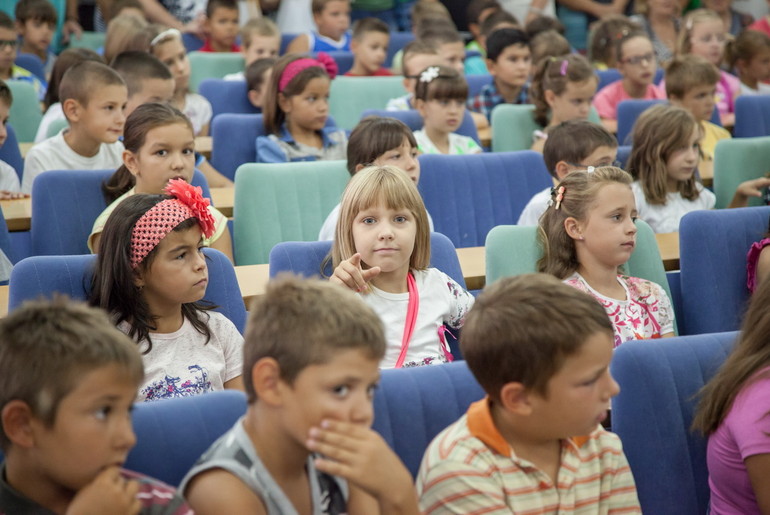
(711, 135)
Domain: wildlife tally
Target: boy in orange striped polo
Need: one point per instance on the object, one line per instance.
(535, 444)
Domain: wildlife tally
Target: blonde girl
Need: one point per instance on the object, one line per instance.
(587, 233)
(159, 146)
(749, 55)
(663, 162)
(295, 111)
(169, 48)
(382, 251)
(703, 33)
(562, 90)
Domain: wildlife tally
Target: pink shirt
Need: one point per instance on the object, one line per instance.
(762, 25)
(728, 87)
(607, 100)
(743, 433)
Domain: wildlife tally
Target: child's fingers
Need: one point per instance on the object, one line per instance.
(371, 273)
(335, 468)
(332, 451)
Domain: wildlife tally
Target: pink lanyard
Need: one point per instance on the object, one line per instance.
(411, 317)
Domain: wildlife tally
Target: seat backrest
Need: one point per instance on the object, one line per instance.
(351, 96)
(91, 40)
(205, 65)
(10, 152)
(712, 255)
(343, 58)
(191, 42)
(512, 127)
(476, 82)
(172, 434)
(752, 116)
(286, 38)
(234, 141)
(414, 121)
(280, 202)
(226, 96)
(25, 110)
(398, 40)
(468, 195)
(42, 276)
(737, 160)
(65, 205)
(607, 77)
(305, 258)
(514, 250)
(624, 152)
(628, 112)
(31, 63)
(659, 380)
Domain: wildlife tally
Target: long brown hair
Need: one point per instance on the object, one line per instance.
(554, 73)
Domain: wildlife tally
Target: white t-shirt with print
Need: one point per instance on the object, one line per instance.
(198, 110)
(458, 145)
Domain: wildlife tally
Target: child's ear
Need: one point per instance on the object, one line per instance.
(549, 97)
(71, 109)
(491, 67)
(354, 44)
(562, 169)
(419, 104)
(574, 228)
(266, 380)
(138, 274)
(255, 97)
(284, 103)
(515, 398)
(675, 101)
(132, 165)
(16, 418)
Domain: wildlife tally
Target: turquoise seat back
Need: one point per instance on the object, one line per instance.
(351, 96)
(91, 40)
(514, 250)
(283, 202)
(513, 125)
(25, 111)
(213, 65)
(737, 160)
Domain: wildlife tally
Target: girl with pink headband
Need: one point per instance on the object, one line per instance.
(151, 275)
(296, 110)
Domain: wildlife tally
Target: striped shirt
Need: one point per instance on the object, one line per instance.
(469, 468)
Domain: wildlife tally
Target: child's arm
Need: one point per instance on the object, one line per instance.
(350, 274)
(376, 475)
(758, 468)
(217, 491)
(298, 45)
(747, 189)
(109, 492)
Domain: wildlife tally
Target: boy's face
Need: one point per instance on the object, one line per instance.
(453, 55)
(699, 101)
(602, 156)
(334, 20)
(415, 65)
(579, 393)
(92, 431)
(152, 90)
(637, 62)
(341, 389)
(260, 47)
(5, 109)
(257, 96)
(370, 50)
(512, 65)
(37, 34)
(103, 118)
(223, 26)
(758, 67)
(7, 49)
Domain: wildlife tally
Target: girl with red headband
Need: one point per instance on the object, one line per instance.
(296, 110)
(150, 276)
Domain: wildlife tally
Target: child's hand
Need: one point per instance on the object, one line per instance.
(349, 273)
(746, 189)
(360, 455)
(109, 492)
(9, 195)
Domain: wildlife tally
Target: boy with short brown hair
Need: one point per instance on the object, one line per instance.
(93, 98)
(311, 357)
(221, 26)
(36, 24)
(68, 380)
(417, 56)
(534, 444)
(147, 79)
(370, 48)
(260, 39)
(9, 70)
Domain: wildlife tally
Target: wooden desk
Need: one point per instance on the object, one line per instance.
(485, 136)
(223, 199)
(17, 213)
(668, 245)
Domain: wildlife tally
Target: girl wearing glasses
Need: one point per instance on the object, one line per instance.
(637, 65)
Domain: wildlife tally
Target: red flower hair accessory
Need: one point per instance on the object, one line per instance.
(163, 217)
(322, 60)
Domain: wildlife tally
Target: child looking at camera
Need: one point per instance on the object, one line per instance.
(36, 23)
(370, 48)
(332, 19)
(260, 39)
(417, 56)
(221, 26)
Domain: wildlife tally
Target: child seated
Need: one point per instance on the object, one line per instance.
(221, 26)
(68, 381)
(572, 145)
(541, 351)
(9, 179)
(748, 55)
(8, 70)
(260, 39)
(305, 445)
(93, 97)
(440, 97)
(417, 56)
(500, 19)
(257, 80)
(548, 43)
(295, 112)
(147, 79)
(758, 262)
(601, 45)
(36, 24)
(447, 41)
(370, 48)
(636, 63)
(508, 61)
(475, 13)
(332, 19)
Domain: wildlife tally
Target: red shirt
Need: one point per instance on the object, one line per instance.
(207, 47)
(382, 72)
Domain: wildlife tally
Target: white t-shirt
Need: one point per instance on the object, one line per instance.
(458, 145)
(235, 76)
(762, 89)
(535, 208)
(54, 113)
(180, 365)
(9, 179)
(55, 154)
(295, 17)
(520, 8)
(665, 218)
(442, 301)
(330, 224)
(198, 110)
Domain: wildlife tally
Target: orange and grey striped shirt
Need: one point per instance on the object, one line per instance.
(469, 468)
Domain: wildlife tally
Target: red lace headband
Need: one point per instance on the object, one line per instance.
(163, 217)
(322, 60)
